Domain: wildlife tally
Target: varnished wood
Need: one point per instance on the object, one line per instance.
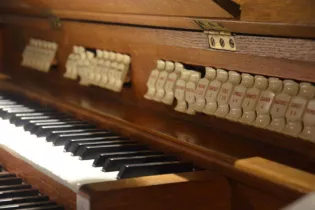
(252, 51)
(236, 26)
(161, 192)
(46, 185)
(246, 198)
(187, 23)
(189, 8)
(1, 50)
(292, 11)
(275, 172)
(27, 22)
(3, 76)
(258, 16)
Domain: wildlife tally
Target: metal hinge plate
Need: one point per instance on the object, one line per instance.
(221, 40)
(54, 20)
(219, 37)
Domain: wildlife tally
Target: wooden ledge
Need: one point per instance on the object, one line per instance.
(4, 77)
(150, 181)
(203, 188)
(169, 22)
(278, 173)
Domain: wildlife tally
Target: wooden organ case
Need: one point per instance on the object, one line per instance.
(242, 163)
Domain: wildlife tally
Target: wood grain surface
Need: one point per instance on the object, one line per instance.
(273, 28)
(190, 8)
(287, 11)
(275, 172)
(198, 190)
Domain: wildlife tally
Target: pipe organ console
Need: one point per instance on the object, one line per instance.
(156, 104)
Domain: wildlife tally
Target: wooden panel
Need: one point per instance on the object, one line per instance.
(142, 43)
(1, 48)
(253, 199)
(38, 180)
(191, 8)
(286, 11)
(1, 42)
(27, 22)
(257, 46)
(275, 172)
(3, 76)
(198, 190)
(244, 27)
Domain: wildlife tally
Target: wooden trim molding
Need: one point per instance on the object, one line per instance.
(278, 173)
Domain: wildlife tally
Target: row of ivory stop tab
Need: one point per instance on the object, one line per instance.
(279, 105)
(104, 69)
(39, 55)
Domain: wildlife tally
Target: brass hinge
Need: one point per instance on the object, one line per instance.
(219, 37)
(54, 20)
(221, 40)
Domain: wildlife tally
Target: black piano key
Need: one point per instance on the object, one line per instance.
(18, 193)
(77, 146)
(6, 174)
(10, 113)
(26, 199)
(91, 152)
(28, 123)
(36, 113)
(63, 138)
(69, 143)
(15, 187)
(20, 116)
(16, 107)
(114, 164)
(101, 158)
(7, 103)
(11, 108)
(36, 126)
(10, 181)
(148, 169)
(54, 207)
(54, 135)
(28, 205)
(4, 107)
(46, 130)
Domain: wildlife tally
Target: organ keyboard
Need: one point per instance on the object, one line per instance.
(72, 150)
(16, 194)
(160, 104)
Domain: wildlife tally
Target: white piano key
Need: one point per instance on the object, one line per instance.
(51, 160)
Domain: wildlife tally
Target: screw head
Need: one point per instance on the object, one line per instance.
(212, 41)
(232, 43)
(222, 43)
